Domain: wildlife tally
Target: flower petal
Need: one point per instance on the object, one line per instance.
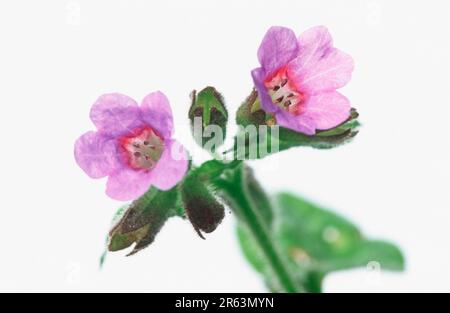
(302, 124)
(278, 47)
(329, 73)
(171, 167)
(266, 102)
(128, 184)
(115, 114)
(327, 110)
(95, 153)
(156, 112)
(314, 44)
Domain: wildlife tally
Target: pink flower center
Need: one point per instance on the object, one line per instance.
(143, 149)
(283, 92)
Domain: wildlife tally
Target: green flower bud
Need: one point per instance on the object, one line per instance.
(143, 219)
(209, 117)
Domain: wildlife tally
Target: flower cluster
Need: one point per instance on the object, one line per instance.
(296, 83)
(295, 88)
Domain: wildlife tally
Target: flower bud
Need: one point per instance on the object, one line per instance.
(202, 208)
(209, 117)
(143, 219)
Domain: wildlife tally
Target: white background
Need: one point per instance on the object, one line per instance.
(57, 57)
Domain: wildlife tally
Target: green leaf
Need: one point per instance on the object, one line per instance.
(255, 228)
(250, 249)
(315, 242)
(313, 281)
(209, 117)
(387, 255)
(321, 241)
(258, 196)
(143, 219)
(255, 256)
(260, 145)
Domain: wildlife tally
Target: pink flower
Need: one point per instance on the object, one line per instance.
(298, 78)
(132, 146)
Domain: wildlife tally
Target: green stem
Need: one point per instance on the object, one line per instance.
(245, 209)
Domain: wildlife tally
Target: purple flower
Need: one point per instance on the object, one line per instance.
(132, 146)
(298, 78)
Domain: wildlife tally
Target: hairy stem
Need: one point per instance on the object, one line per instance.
(236, 192)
